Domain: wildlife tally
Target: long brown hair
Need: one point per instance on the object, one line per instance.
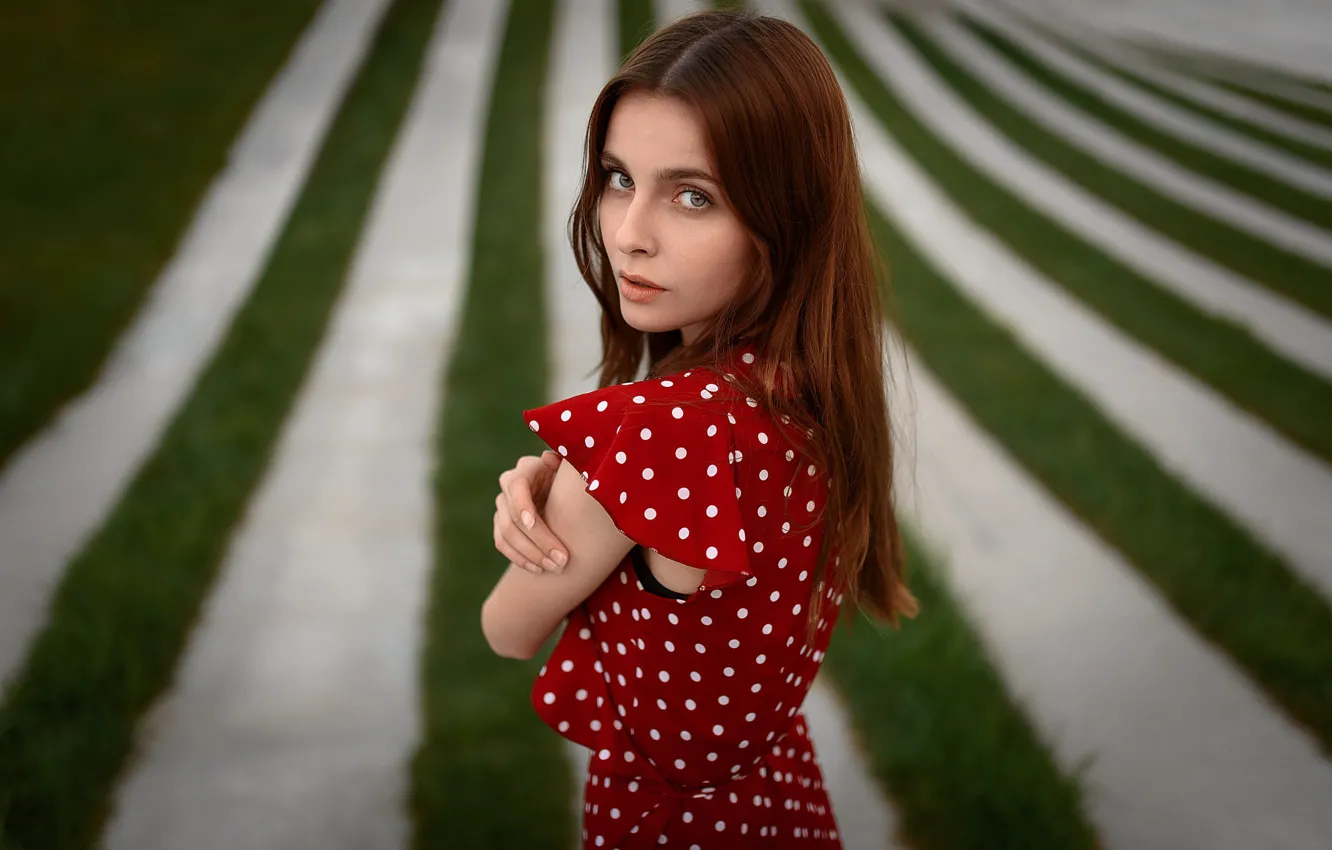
(782, 142)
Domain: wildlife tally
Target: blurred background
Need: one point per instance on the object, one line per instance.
(278, 279)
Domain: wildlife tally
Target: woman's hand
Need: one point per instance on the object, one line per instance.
(520, 534)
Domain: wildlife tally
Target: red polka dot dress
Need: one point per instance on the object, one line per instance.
(690, 706)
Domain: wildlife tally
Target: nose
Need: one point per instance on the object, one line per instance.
(635, 234)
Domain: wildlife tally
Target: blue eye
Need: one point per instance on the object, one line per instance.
(706, 200)
(611, 176)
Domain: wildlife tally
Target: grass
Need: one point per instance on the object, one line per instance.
(1295, 277)
(1256, 184)
(963, 765)
(1220, 352)
(1235, 593)
(489, 773)
(1309, 152)
(128, 601)
(116, 116)
(637, 22)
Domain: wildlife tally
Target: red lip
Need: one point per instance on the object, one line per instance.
(639, 280)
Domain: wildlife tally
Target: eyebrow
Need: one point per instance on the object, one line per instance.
(663, 175)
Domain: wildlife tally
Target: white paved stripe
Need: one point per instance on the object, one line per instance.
(1144, 65)
(295, 712)
(61, 485)
(1157, 111)
(1117, 151)
(1275, 489)
(668, 10)
(1186, 751)
(1299, 334)
(584, 53)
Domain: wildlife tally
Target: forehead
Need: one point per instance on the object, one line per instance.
(655, 131)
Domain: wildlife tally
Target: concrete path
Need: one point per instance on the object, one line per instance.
(60, 486)
(1162, 114)
(1276, 490)
(1287, 35)
(583, 59)
(1222, 100)
(1187, 752)
(1299, 334)
(295, 712)
(1106, 144)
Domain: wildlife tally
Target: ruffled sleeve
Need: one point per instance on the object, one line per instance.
(660, 460)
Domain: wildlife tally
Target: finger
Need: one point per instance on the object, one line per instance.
(515, 558)
(522, 511)
(519, 542)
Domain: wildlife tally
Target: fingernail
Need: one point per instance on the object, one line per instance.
(559, 557)
(550, 565)
(527, 519)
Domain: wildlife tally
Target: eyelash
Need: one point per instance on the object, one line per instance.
(613, 171)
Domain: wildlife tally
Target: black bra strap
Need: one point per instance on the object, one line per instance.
(648, 580)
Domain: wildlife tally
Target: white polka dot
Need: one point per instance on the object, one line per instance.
(638, 399)
(808, 539)
(679, 765)
(723, 699)
(721, 825)
(664, 676)
(760, 659)
(767, 629)
(690, 704)
(566, 665)
(684, 533)
(564, 416)
(650, 513)
(564, 726)
(717, 730)
(705, 394)
(763, 475)
(647, 474)
(684, 734)
(674, 619)
(621, 457)
(809, 506)
(562, 450)
(712, 430)
(604, 755)
(670, 647)
(601, 406)
(728, 671)
(681, 453)
(623, 497)
(712, 510)
(707, 621)
(750, 717)
(742, 613)
(712, 469)
(712, 552)
(668, 383)
(536, 426)
(803, 573)
(716, 594)
(548, 698)
(755, 688)
(758, 546)
(677, 412)
(683, 492)
(763, 438)
(775, 596)
(695, 676)
(795, 610)
(646, 433)
(589, 442)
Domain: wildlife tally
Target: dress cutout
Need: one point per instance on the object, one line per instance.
(691, 706)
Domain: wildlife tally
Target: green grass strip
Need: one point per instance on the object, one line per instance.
(1295, 277)
(125, 607)
(963, 765)
(486, 755)
(1237, 594)
(1220, 352)
(637, 22)
(116, 116)
(1278, 101)
(1256, 184)
(1310, 152)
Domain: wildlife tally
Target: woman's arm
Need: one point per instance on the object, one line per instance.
(524, 609)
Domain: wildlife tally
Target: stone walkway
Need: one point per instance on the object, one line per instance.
(295, 711)
(1277, 491)
(60, 486)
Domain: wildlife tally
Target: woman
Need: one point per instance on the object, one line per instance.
(703, 526)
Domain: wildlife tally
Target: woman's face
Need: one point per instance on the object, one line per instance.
(663, 217)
